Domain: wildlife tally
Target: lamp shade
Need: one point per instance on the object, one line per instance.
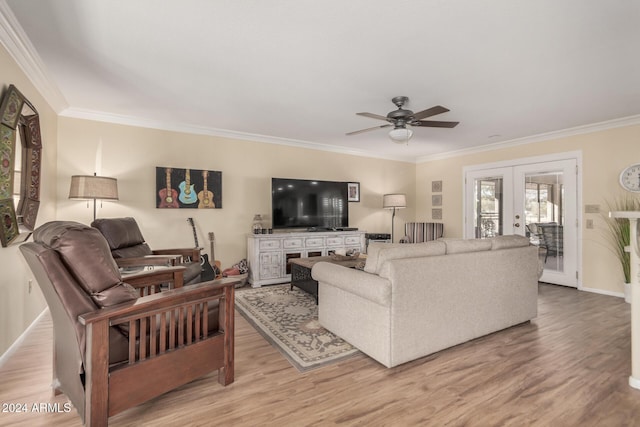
(390, 201)
(400, 135)
(93, 187)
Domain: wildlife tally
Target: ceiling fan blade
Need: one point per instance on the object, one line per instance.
(438, 109)
(368, 129)
(434, 124)
(373, 116)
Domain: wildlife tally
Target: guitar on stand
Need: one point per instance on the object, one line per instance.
(207, 271)
(216, 263)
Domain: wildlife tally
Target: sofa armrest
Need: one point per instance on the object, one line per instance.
(357, 282)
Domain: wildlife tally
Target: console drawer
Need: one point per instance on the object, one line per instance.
(335, 241)
(292, 243)
(316, 242)
(352, 240)
(270, 244)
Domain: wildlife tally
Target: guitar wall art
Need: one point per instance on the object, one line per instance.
(188, 188)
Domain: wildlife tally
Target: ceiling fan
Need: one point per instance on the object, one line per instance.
(400, 118)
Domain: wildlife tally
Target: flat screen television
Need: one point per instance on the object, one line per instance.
(310, 204)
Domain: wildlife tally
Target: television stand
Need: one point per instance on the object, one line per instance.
(268, 255)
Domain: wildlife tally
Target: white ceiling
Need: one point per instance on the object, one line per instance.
(297, 71)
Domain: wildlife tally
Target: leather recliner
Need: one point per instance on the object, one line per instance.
(127, 243)
(108, 341)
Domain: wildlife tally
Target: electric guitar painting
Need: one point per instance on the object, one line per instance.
(208, 272)
(168, 196)
(205, 196)
(188, 194)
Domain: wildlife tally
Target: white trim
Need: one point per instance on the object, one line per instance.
(603, 292)
(17, 43)
(12, 349)
(203, 130)
(634, 382)
(563, 133)
(567, 155)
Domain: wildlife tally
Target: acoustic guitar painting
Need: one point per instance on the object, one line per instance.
(188, 188)
(168, 196)
(205, 196)
(188, 194)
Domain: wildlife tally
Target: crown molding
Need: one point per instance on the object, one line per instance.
(223, 133)
(15, 40)
(578, 130)
(100, 116)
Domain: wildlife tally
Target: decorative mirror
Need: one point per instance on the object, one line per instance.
(20, 161)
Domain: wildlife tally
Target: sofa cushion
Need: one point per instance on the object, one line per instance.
(461, 246)
(408, 250)
(510, 241)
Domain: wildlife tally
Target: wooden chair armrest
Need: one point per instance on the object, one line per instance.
(192, 254)
(159, 302)
(168, 259)
(174, 276)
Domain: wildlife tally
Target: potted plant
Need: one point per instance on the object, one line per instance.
(617, 234)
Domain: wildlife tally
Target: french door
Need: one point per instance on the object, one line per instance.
(537, 200)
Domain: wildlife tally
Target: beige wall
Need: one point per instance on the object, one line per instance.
(18, 306)
(605, 154)
(131, 154)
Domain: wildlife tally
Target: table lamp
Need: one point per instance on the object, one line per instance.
(87, 187)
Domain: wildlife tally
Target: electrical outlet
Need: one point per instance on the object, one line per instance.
(590, 223)
(30, 282)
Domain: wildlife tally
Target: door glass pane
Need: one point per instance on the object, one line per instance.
(488, 207)
(544, 201)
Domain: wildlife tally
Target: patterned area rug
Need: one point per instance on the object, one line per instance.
(288, 319)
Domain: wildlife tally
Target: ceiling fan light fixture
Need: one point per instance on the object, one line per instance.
(400, 135)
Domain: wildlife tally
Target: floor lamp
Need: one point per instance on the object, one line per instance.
(87, 187)
(394, 201)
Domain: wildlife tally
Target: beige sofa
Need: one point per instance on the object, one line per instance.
(416, 299)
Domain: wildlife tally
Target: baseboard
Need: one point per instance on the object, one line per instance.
(603, 292)
(634, 382)
(5, 356)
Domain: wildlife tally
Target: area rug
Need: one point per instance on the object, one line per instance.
(288, 319)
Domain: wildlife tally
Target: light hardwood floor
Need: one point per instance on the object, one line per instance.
(568, 367)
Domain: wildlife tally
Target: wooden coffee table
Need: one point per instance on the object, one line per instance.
(301, 271)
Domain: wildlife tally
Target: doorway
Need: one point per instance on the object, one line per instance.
(537, 199)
